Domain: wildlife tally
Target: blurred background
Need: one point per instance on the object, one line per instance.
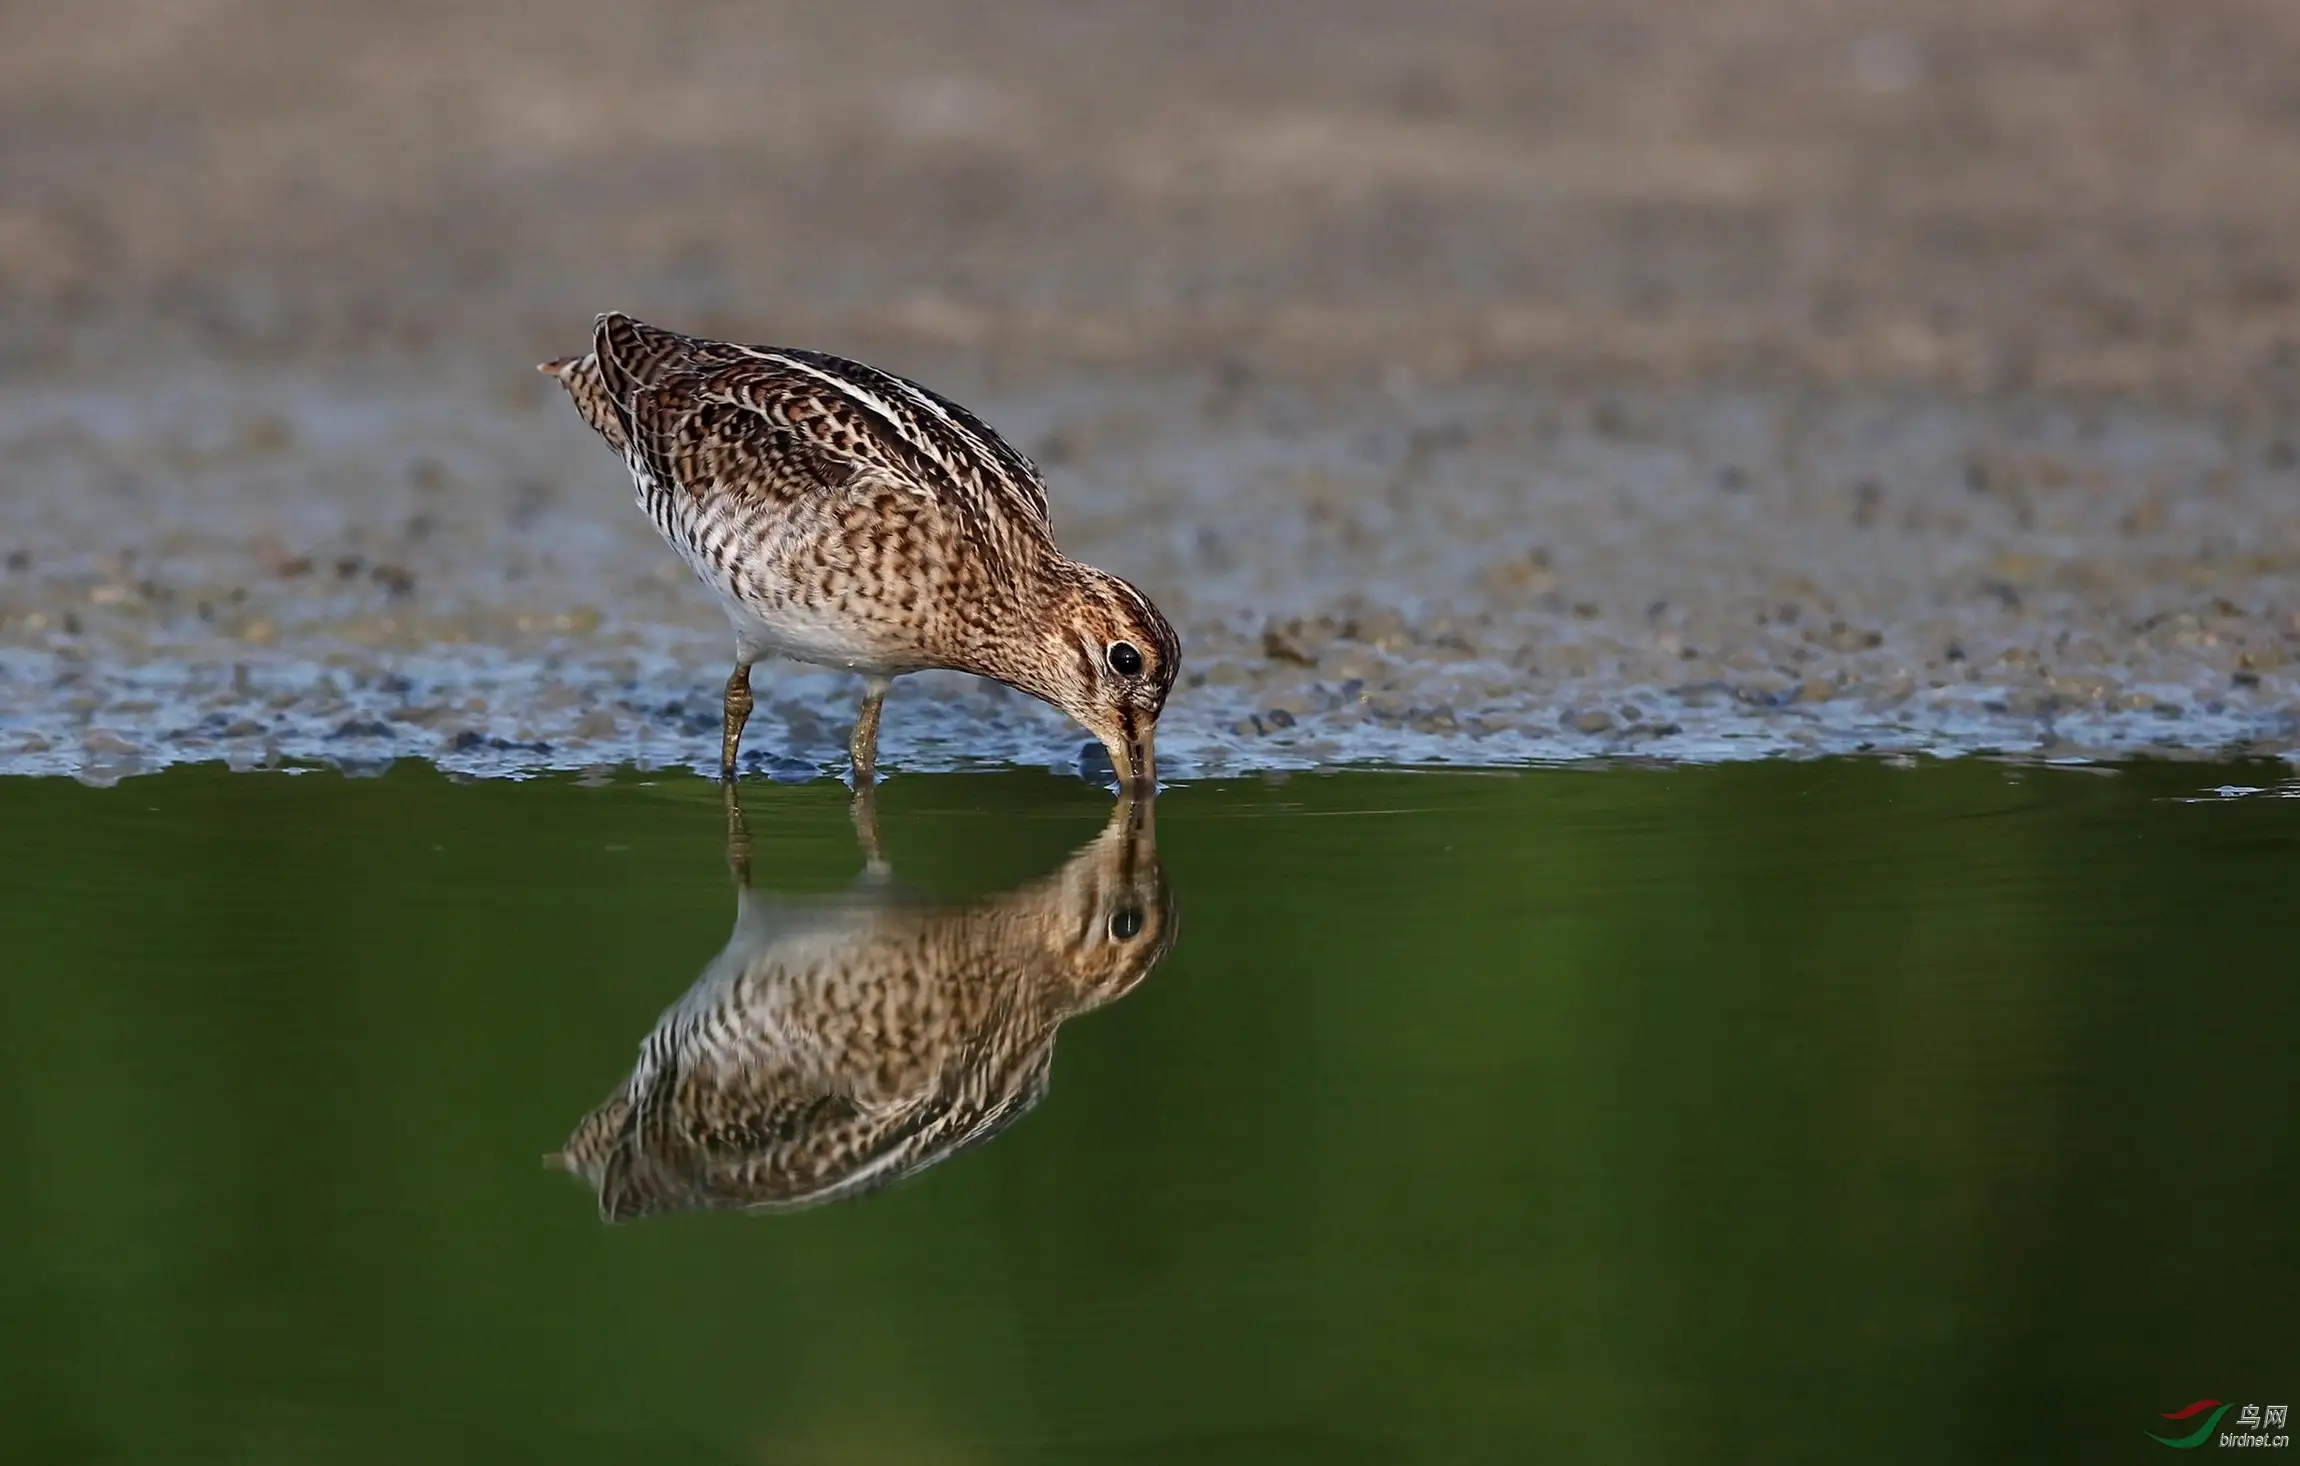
(1470, 382)
(2084, 193)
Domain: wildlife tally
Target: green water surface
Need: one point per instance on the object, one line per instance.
(1766, 1112)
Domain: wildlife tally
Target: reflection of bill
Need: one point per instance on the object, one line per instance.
(841, 1043)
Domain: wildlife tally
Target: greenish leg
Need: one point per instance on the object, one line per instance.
(864, 747)
(738, 713)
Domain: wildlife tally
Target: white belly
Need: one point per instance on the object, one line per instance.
(750, 566)
(804, 635)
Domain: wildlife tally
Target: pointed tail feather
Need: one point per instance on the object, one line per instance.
(580, 376)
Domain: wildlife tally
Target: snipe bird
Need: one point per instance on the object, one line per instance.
(839, 1044)
(850, 518)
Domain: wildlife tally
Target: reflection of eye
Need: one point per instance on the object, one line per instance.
(1124, 659)
(1125, 923)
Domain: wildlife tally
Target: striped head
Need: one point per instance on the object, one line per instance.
(1107, 658)
(1109, 916)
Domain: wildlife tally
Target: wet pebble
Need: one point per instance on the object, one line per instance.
(1377, 626)
(1519, 577)
(1288, 643)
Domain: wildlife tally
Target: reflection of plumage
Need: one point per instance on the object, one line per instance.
(837, 1045)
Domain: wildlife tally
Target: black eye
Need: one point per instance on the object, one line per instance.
(1125, 923)
(1124, 659)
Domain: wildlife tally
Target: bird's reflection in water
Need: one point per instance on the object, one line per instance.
(842, 1043)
